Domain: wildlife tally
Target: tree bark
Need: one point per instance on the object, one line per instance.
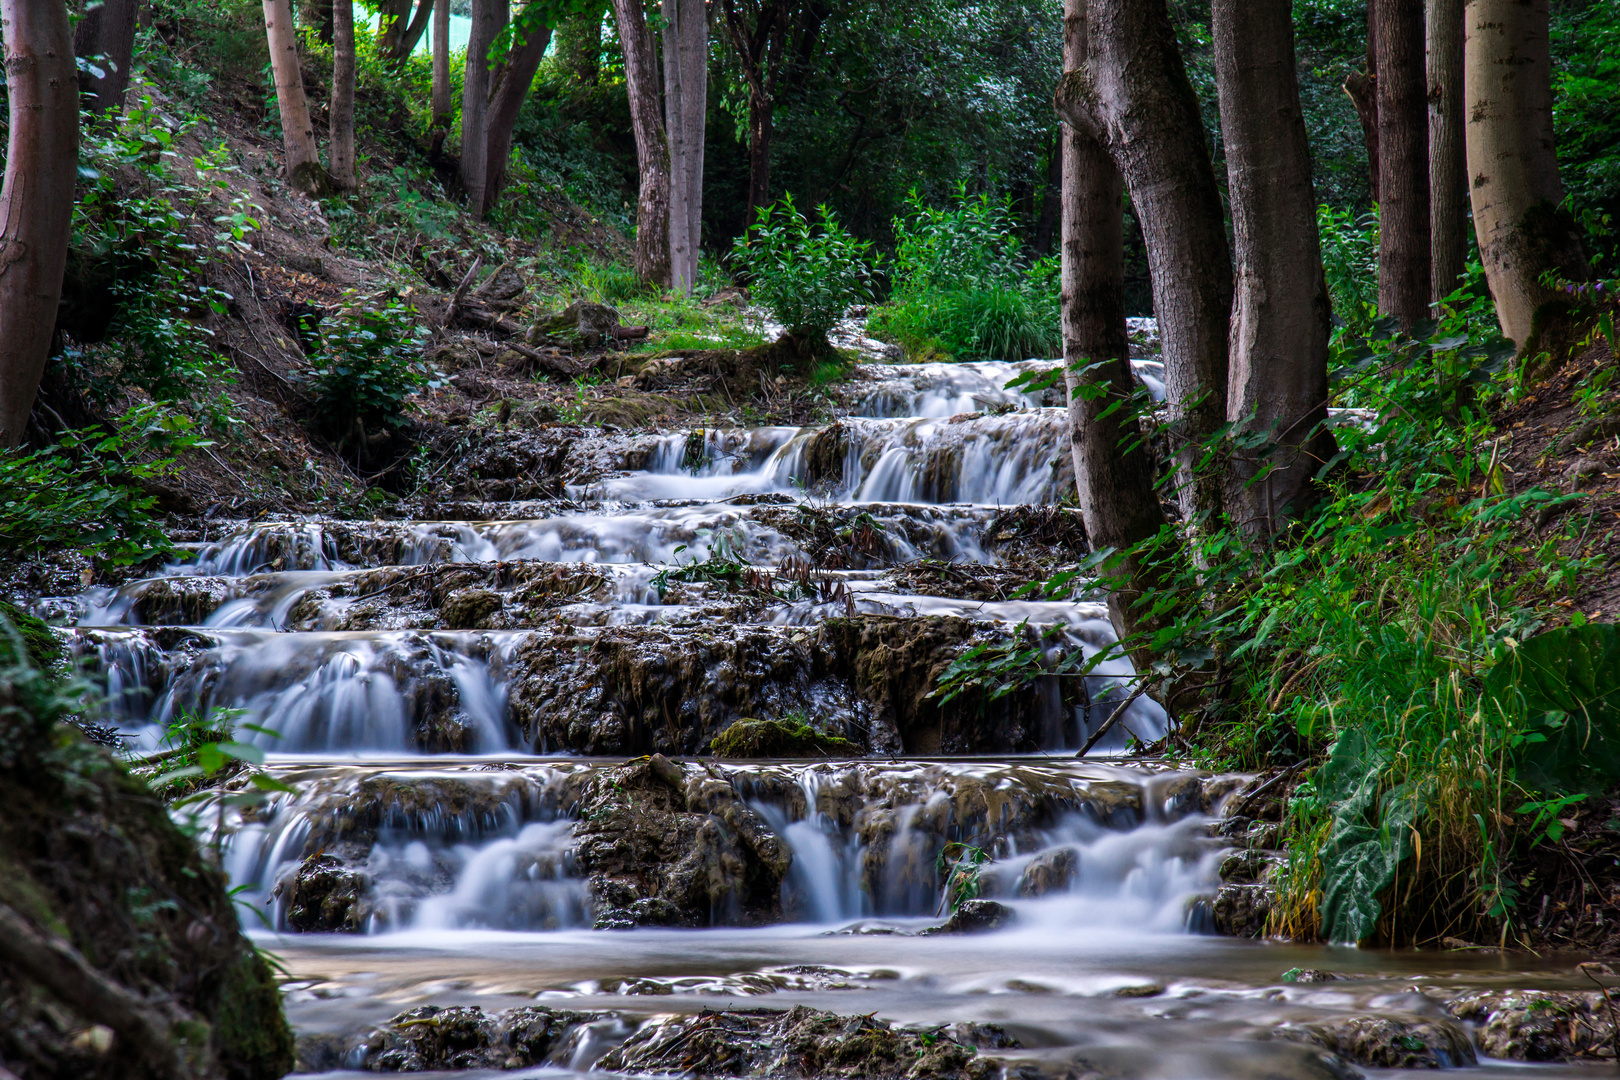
(1448, 167)
(399, 37)
(439, 101)
(1134, 96)
(686, 89)
(106, 37)
(760, 50)
(652, 143)
(1512, 161)
(36, 201)
(513, 80)
(304, 170)
(1403, 164)
(341, 150)
(1050, 220)
(1362, 89)
(1113, 461)
(1278, 375)
(488, 18)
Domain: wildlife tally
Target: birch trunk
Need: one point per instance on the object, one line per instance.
(304, 170)
(1113, 463)
(341, 150)
(1448, 168)
(686, 88)
(652, 144)
(36, 201)
(1278, 377)
(1512, 163)
(1403, 164)
(1134, 96)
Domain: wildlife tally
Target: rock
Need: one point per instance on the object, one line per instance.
(1386, 1042)
(975, 916)
(324, 897)
(749, 738)
(430, 1037)
(469, 609)
(1242, 910)
(1530, 1025)
(664, 849)
(1049, 872)
(801, 1044)
(1581, 472)
(504, 285)
(1251, 867)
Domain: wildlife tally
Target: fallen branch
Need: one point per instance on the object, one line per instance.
(460, 295)
(1113, 718)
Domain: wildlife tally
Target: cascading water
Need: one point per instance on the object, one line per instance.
(459, 708)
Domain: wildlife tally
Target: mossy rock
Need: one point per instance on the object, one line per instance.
(37, 640)
(780, 739)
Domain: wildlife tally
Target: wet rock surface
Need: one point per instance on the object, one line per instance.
(1539, 1026)
(1386, 1042)
(430, 1037)
(801, 1043)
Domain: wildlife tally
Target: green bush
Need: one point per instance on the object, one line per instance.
(963, 289)
(1350, 261)
(368, 364)
(86, 492)
(807, 276)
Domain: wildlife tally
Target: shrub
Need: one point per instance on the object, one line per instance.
(806, 276)
(85, 492)
(368, 364)
(963, 289)
(1350, 261)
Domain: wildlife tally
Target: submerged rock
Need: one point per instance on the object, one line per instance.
(430, 1037)
(799, 1043)
(1532, 1025)
(973, 917)
(1049, 872)
(1386, 1042)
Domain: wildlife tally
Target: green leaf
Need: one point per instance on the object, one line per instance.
(1564, 684)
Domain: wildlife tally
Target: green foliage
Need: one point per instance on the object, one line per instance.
(609, 282)
(805, 275)
(962, 288)
(200, 754)
(1563, 686)
(137, 295)
(86, 492)
(1350, 260)
(962, 866)
(369, 363)
(1586, 112)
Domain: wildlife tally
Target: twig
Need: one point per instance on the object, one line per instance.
(1614, 1029)
(1265, 787)
(1113, 718)
(461, 292)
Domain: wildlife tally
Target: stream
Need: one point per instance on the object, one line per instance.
(461, 708)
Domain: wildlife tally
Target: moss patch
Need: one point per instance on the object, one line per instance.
(780, 739)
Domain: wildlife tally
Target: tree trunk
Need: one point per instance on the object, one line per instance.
(1512, 162)
(1448, 167)
(1362, 88)
(341, 121)
(440, 102)
(399, 38)
(1277, 397)
(36, 202)
(686, 90)
(1113, 462)
(304, 170)
(1134, 96)
(1403, 164)
(652, 144)
(760, 109)
(319, 15)
(106, 37)
(513, 81)
(1051, 216)
(488, 18)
